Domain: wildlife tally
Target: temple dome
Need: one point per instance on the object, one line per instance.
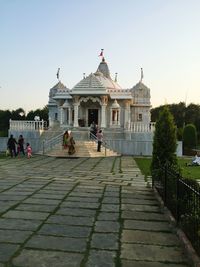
(140, 86)
(141, 93)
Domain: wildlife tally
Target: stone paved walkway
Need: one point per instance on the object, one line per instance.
(88, 212)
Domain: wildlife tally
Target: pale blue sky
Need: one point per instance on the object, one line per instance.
(38, 36)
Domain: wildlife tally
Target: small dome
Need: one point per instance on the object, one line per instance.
(59, 86)
(115, 104)
(140, 86)
(103, 68)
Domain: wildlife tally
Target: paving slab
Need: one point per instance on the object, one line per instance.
(32, 215)
(65, 230)
(14, 236)
(128, 263)
(147, 225)
(71, 220)
(101, 258)
(107, 227)
(140, 252)
(7, 251)
(145, 237)
(104, 241)
(57, 243)
(36, 258)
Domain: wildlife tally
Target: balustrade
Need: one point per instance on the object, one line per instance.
(140, 127)
(27, 125)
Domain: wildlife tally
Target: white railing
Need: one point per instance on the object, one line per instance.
(140, 127)
(49, 144)
(27, 125)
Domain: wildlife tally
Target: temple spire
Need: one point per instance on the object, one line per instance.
(116, 76)
(142, 75)
(58, 74)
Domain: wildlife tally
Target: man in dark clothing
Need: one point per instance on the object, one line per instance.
(11, 146)
(20, 146)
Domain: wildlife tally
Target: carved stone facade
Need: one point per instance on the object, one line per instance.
(100, 99)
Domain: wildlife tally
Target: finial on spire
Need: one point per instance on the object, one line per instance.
(116, 76)
(83, 75)
(142, 75)
(101, 53)
(58, 74)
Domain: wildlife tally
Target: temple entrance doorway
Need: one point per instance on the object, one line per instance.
(92, 116)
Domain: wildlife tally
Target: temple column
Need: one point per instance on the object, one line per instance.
(75, 115)
(69, 116)
(61, 115)
(127, 115)
(104, 101)
(76, 105)
(103, 116)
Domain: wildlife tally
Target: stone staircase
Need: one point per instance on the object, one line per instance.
(83, 149)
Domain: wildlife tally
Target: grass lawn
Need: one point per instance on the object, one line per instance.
(187, 172)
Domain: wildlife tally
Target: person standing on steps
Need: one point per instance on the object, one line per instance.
(65, 140)
(100, 140)
(71, 144)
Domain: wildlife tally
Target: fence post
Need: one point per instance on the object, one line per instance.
(177, 199)
(165, 184)
(43, 149)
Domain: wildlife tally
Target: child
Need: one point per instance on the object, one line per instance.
(28, 150)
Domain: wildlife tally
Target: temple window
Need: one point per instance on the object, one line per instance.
(139, 117)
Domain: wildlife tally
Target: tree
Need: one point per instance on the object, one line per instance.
(165, 142)
(189, 137)
(193, 116)
(42, 113)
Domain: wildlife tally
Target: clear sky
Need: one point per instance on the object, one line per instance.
(38, 36)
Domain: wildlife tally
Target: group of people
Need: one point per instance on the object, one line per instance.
(12, 144)
(68, 142)
(96, 133)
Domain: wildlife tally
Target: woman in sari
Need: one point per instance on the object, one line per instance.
(66, 140)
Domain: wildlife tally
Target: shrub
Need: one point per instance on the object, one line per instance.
(165, 142)
(189, 137)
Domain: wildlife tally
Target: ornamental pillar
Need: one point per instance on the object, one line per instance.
(75, 115)
(69, 116)
(76, 105)
(104, 101)
(103, 116)
(127, 115)
(61, 115)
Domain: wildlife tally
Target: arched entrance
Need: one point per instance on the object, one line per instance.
(90, 108)
(93, 115)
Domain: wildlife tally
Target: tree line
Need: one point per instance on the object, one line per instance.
(183, 115)
(19, 114)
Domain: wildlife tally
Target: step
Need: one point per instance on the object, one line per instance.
(83, 149)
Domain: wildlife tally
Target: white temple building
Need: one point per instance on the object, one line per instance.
(99, 98)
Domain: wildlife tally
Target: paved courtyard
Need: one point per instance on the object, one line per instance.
(87, 212)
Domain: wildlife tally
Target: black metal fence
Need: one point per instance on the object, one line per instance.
(182, 197)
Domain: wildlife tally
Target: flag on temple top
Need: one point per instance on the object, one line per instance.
(58, 72)
(101, 54)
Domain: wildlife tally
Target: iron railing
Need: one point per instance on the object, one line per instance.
(182, 197)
